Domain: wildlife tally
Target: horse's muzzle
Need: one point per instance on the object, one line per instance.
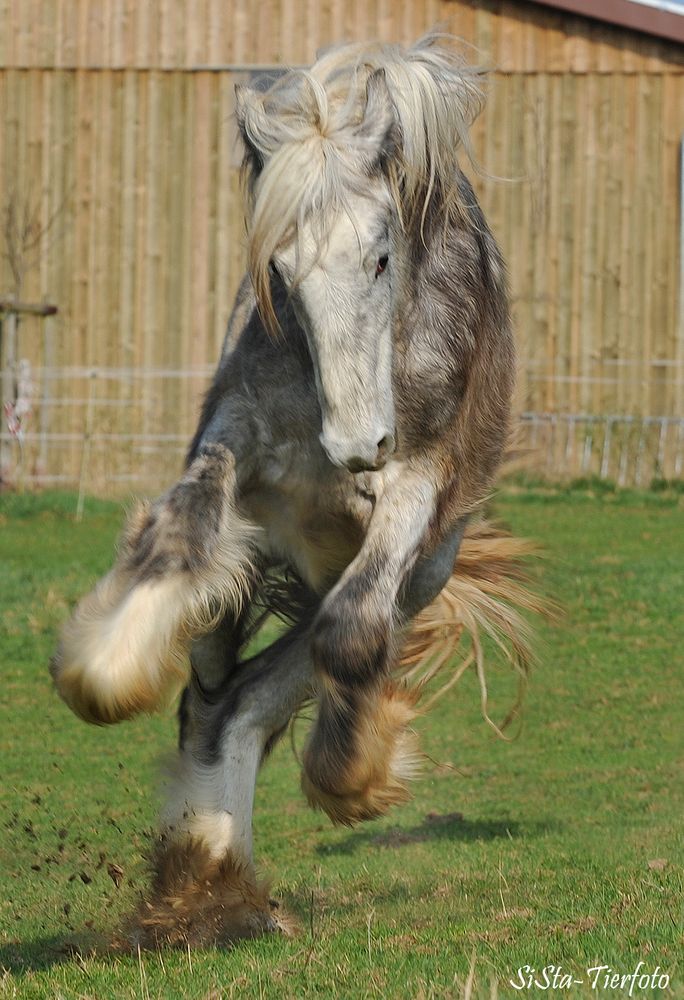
(357, 457)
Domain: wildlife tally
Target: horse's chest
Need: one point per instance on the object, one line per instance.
(312, 515)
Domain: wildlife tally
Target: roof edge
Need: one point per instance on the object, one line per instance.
(626, 14)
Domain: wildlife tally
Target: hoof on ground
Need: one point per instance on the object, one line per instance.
(197, 900)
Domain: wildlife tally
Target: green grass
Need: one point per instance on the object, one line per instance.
(535, 852)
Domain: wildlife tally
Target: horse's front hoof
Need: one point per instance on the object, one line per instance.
(375, 775)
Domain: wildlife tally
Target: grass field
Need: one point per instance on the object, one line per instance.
(564, 847)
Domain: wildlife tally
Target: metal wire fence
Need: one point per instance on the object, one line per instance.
(116, 430)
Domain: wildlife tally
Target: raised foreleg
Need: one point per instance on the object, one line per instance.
(183, 561)
(360, 753)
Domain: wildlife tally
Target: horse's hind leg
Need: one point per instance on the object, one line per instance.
(205, 888)
(182, 561)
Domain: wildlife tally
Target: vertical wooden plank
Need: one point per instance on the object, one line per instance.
(111, 223)
(61, 30)
(143, 389)
(175, 260)
(81, 36)
(539, 327)
(554, 247)
(95, 53)
(83, 182)
(127, 216)
(6, 32)
(527, 236)
(143, 30)
(634, 223)
(576, 249)
(194, 49)
(588, 263)
(92, 318)
(664, 251)
(598, 170)
(186, 229)
(516, 215)
(4, 165)
(224, 220)
(165, 30)
(217, 27)
(674, 130)
(107, 32)
(54, 181)
(314, 24)
(116, 33)
(213, 222)
(31, 182)
(618, 320)
(240, 31)
(201, 174)
(21, 19)
(43, 30)
(553, 52)
(129, 45)
(648, 190)
(150, 333)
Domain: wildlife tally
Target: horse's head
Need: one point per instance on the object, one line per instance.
(333, 163)
(322, 224)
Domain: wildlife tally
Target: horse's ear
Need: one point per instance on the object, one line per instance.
(245, 111)
(379, 125)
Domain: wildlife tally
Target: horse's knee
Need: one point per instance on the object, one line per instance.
(181, 529)
(351, 637)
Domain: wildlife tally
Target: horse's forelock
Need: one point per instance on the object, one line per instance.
(315, 136)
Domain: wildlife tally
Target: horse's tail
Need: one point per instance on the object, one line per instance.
(183, 561)
(487, 594)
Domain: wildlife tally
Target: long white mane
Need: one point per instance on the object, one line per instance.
(317, 135)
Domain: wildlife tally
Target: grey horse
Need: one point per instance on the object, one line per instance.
(353, 429)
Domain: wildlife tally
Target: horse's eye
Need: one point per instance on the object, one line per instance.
(273, 269)
(381, 265)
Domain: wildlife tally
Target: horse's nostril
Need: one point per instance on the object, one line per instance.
(386, 445)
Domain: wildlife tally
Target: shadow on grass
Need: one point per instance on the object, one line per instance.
(439, 826)
(43, 953)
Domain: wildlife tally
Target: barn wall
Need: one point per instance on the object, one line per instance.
(514, 36)
(116, 128)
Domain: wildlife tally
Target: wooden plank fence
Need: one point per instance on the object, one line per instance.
(117, 135)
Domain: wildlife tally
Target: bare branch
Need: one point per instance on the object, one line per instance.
(25, 236)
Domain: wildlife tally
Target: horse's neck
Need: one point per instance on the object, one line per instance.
(452, 275)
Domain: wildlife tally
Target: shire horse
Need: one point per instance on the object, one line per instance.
(352, 432)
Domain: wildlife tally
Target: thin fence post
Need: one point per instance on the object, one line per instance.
(660, 459)
(586, 451)
(85, 453)
(605, 456)
(9, 350)
(3, 448)
(46, 392)
(679, 450)
(639, 461)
